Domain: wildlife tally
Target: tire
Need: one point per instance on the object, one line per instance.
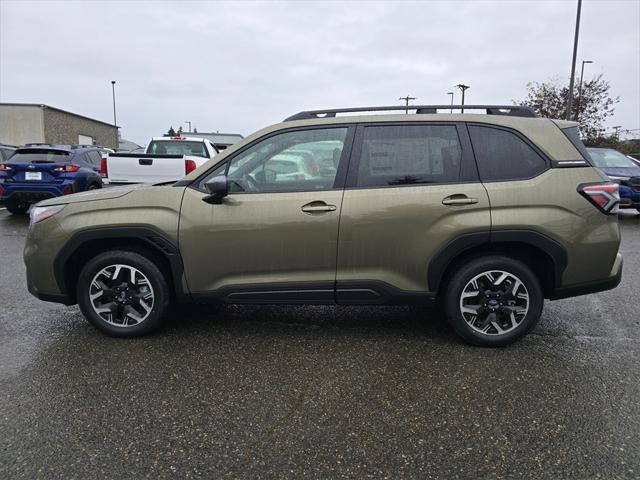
(504, 286)
(128, 310)
(93, 186)
(17, 208)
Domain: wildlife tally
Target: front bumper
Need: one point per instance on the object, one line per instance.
(608, 283)
(629, 197)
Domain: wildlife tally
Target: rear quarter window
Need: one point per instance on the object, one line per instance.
(503, 155)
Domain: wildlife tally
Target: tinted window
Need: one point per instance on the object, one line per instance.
(303, 160)
(177, 147)
(405, 155)
(39, 156)
(502, 155)
(95, 157)
(573, 135)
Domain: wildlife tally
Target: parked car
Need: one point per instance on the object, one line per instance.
(490, 214)
(166, 159)
(622, 170)
(36, 173)
(6, 151)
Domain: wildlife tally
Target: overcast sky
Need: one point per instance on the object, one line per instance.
(239, 66)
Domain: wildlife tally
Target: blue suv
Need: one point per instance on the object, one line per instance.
(41, 171)
(622, 170)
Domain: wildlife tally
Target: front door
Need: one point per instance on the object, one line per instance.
(274, 237)
(411, 190)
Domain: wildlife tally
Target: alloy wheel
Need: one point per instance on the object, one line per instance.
(494, 302)
(121, 295)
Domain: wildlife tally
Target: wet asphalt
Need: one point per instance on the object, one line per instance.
(318, 392)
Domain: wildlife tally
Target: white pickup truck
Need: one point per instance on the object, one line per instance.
(166, 159)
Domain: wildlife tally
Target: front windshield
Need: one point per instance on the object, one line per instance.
(177, 147)
(609, 158)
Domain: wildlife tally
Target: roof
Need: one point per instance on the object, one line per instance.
(178, 137)
(43, 106)
(49, 146)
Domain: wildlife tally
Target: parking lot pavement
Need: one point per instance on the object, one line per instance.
(320, 392)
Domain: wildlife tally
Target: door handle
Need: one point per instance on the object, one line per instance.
(145, 161)
(317, 207)
(459, 199)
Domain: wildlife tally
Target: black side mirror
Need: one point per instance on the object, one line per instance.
(218, 188)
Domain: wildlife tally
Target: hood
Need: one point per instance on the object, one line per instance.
(621, 171)
(107, 193)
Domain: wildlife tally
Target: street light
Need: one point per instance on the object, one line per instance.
(113, 94)
(580, 88)
(573, 62)
(462, 87)
(451, 93)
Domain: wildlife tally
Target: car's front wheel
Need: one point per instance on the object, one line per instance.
(493, 301)
(123, 293)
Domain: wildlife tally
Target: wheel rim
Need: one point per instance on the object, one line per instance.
(494, 302)
(121, 295)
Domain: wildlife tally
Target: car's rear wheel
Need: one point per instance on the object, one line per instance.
(17, 207)
(123, 294)
(493, 301)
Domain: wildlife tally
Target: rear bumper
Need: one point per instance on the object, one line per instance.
(32, 193)
(600, 285)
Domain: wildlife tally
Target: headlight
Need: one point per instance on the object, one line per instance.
(39, 214)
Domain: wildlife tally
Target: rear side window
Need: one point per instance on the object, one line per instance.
(94, 157)
(409, 155)
(573, 135)
(503, 155)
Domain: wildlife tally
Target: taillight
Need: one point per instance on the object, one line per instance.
(104, 173)
(1, 192)
(4, 167)
(66, 167)
(189, 166)
(605, 196)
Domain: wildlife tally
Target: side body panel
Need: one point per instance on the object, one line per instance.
(551, 205)
(391, 234)
(258, 238)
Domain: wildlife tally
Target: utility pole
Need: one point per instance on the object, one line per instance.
(451, 93)
(463, 87)
(189, 122)
(406, 101)
(573, 62)
(580, 88)
(616, 131)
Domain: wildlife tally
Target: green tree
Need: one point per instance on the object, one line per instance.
(591, 106)
(170, 133)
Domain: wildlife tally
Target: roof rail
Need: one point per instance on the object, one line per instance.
(511, 110)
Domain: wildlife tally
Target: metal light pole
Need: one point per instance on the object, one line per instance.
(406, 102)
(463, 87)
(451, 93)
(113, 94)
(189, 122)
(573, 62)
(580, 88)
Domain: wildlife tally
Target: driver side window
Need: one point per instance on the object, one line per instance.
(302, 160)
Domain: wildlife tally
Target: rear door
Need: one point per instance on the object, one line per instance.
(411, 189)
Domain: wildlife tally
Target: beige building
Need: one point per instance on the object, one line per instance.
(22, 123)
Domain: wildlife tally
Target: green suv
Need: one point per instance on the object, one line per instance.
(488, 213)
